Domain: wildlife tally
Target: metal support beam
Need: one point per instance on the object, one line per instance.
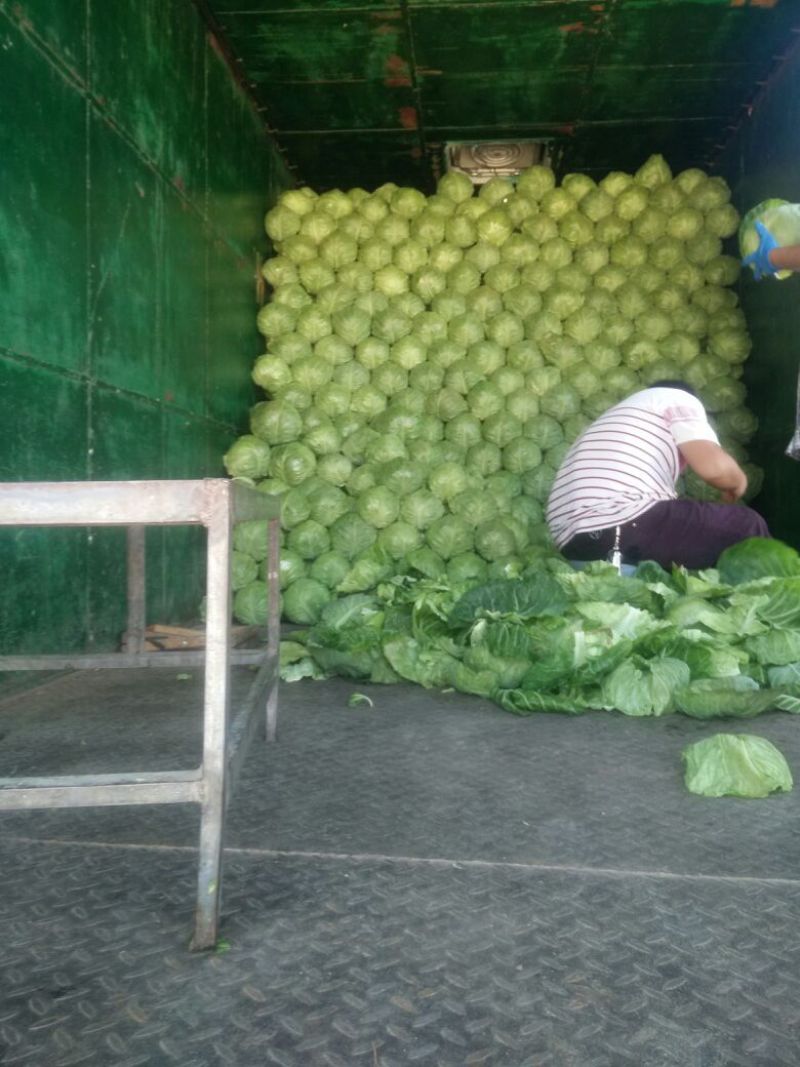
(216, 504)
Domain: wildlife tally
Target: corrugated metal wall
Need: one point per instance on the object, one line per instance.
(135, 178)
(763, 161)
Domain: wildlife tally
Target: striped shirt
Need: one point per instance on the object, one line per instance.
(625, 462)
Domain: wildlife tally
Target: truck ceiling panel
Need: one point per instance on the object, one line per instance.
(378, 87)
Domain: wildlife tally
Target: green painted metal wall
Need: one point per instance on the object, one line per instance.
(763, 160)
(135, 178)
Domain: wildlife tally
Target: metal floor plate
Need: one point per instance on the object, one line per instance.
(429, 881)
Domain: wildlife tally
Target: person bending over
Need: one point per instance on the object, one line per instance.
(622, 470)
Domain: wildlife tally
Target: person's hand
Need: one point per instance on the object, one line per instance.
(737, 491)
(759, 260)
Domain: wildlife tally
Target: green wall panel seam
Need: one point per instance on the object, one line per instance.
(53, 58)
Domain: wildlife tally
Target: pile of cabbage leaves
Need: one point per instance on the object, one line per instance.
(709, 644)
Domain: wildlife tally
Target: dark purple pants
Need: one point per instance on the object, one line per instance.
(691, 533)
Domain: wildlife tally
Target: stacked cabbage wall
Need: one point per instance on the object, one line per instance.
(429, 361)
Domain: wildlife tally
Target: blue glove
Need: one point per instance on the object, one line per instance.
(759, 260)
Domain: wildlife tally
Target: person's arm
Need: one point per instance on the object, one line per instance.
(787, 258)
(716, 468)
(769, 258)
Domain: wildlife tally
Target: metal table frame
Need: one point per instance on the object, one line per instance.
(217, 504)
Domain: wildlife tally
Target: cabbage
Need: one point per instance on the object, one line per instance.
(557, 203)
(428, 229)
(248, 457)
(276, 422)
(444, 257)
(334, 468)
(281, 222)
(333, 400)
(401, 476)
(537, 482)
(304, 600)
(575, 228)
(520, 208)
(702, 249)
(466, 568)
(424, 561)
(496, 190)
(450, 536)
(292, 463)
(391, 325)
(474, 506)
(456, 186)
(654, 325)
(324, 439)
(398, 539)
(329, 569)
(410, 256)
(408, 203)
(631, 202)
(521, 454)
(351, 324)
(428, 282)
(685, 224)
(536, 182)
(615, 182)
(376, 253)
(313, 324)
(540, 228)
(561, 303)
(650, 225)
(584, 380)
(338, 250)
(290, 568)
(368, 401)
(251, 604)
(653, 172)
(591, 257)
(560, 402)
(732, 345)
(311, 373)
(350, 535)
(391, 280)
(281, 270)
(369, 567)
(583, 325)
(611, 229)
(502, 277)
(519, 250)
(484, 459)
(421, 508)
(447, 480)
(309, 539)
(460, 231)
(378, 506)
(639, 352)
(464, 430)
(494, 539)
(427, 378)
(317, 225)
(610, 278)
(596, 204)
(292, 296)
(503, 487)
(722, 270)
(485, 302)
(501, 428)
(554, 253)
(276, 319)
(539, 276)
(629, 252)
(464, 277)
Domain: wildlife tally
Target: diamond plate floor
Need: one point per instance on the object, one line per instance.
(430, 881)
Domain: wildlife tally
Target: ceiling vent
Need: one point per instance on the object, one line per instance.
(483, 160)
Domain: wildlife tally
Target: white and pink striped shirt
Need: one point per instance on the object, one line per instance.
(625, 462)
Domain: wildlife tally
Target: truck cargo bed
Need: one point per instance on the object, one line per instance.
(425, 881)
